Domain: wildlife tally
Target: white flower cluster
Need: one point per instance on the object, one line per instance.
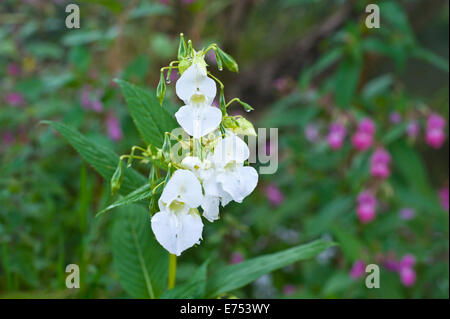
(217, 178)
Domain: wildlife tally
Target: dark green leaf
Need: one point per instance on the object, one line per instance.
(150, 118)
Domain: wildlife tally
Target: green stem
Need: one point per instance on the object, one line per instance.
(172, 270)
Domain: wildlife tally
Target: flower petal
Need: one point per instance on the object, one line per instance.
(177, 232)
(198, 121)
(231, 148)
(239, 183)
(195, 81)
(210, 207)
(184, 187)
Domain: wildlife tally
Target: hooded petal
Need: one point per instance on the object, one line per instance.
(184, 187)
(210, 207)
(195, 81)
(231, 148)
(198, 121)
(239, 183)
(177, 232)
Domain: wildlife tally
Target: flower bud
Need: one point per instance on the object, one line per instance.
(227, 60)
(116, 179)
(161, 89)
(182, 49)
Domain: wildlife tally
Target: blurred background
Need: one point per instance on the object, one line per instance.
(363, 149)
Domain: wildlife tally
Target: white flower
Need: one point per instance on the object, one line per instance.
(223, 175)
(197, 90)
(178, 225)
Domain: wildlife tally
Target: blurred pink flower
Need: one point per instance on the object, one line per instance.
(336, 135)
(395, 117)
(391, 264)
(407, 213)
(407, 276)
(435, 135)
(358, 269)
(407, 261)
(380, 161)
(366, 208)
(113, 127)
(289, 289)
(15, 99)
(236, 258)
(363, 138)
(443, 196)
(97, 106)
(7, 138)
(274, 195)
(413, 128)
(13, 69)
(311, 132)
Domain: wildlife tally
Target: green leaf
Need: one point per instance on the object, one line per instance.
(194, 288)
(236, 276)
(150, 118)
(139, 260)
(431, 58)
(346, 82)
(101, 158)
(143, 192)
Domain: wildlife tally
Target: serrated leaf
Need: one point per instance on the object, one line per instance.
(151, 120)
(101, 158)
(139, 260)
(232, 277)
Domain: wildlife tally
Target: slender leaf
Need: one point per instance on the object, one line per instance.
(143, 192)
(101, 158)
(236, 276)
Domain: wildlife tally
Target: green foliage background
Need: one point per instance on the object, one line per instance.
(329, 63)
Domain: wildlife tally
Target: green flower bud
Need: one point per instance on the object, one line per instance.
(161, 89)
(246, 106)
(116, 179)
(182, 48)
(227, 60)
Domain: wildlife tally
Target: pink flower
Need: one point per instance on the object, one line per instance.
(363, 138)
(407, 261)
(407, 213)
(358, 269)
(407, 276)
(97, 106)
(289, 289)
(336, 136)
(236, 258)
(413, 128)
(113, 127)
(435, 135)
(366, 208)
(13, 69)
(311, 132)
(380, 164)
(395, 117)
(15, 99)
(443, 196)
(274, 194)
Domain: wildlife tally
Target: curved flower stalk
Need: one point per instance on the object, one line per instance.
(212, 171)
